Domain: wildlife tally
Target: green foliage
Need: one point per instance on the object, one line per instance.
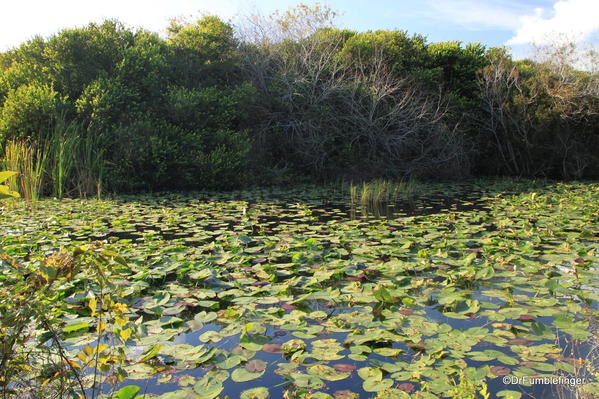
(152, 152)
(106, 102)
(537, 119)
(204, 52)
(468, 387)
(63, 154)
(405, 55)
(34, 359)
(455, 68)
(252, 282)
(75, 57)
(28, 113)
(208, 107)
(295, 98)
(209, 36)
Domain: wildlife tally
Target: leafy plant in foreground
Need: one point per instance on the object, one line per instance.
(33, 355)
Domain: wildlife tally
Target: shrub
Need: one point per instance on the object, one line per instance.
(105, 102)
(154, 154)
(29, 112)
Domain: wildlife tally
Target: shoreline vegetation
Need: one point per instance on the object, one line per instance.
(282, 99)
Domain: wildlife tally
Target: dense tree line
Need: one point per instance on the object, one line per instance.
(290, 97)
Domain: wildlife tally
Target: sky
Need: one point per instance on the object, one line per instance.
(512, 23)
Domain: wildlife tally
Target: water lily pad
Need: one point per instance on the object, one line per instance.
(252, 370)
(345, 394)
(293, 345)
(255, 393)
(273, 348)
(500, 370)
(344, 367)
(327, 373)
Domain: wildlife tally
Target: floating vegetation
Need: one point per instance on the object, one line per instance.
(282, 293)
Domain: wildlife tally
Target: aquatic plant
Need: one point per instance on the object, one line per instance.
(30, 162)
(381, 191)
(90, 166)
(280, 292)
(63, 157)
(35, 357)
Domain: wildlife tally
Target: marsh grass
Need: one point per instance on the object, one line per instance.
(63, 147)
(30, 162)
(90, 166)
(68, 162)
(377, 192)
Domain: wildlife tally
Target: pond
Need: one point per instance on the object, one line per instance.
(462, 290)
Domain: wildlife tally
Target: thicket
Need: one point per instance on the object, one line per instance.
(281, 98)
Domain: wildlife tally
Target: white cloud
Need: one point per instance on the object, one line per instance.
(478, 15)
(575, 20)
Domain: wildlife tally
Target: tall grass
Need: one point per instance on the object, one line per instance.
(63, 144)
(67, 161)
(382, 191)
(30, 161)
(90, 166)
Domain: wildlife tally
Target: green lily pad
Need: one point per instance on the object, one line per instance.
(255, 393)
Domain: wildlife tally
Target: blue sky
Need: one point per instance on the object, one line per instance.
(515, 23)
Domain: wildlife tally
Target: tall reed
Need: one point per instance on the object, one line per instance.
(382, 191)
(64, 143)
(90, 165)
(66, 160)
(30, 162)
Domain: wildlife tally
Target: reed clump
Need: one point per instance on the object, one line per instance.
(67, 162)
(29, 161)
(382, 191)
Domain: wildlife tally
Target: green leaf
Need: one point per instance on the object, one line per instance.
(150, 353)
(255, 393)
(6, 193)
(508, 394)
(128, 392)
(208, 391)
(327, 373)
(76, 327)
(382, 295)
(376, 385)
(243, 375)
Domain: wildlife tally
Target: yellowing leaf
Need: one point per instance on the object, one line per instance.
(125, 334)
(71, 363)
(88, 350)
(101, 327)
(93, 304)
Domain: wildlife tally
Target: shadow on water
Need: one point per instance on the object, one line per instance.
(282, 213)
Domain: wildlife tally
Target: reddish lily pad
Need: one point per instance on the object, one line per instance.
(272, 348)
